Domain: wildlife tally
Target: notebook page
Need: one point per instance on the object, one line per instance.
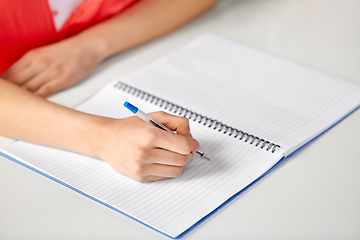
(170, 206)
(250, 90)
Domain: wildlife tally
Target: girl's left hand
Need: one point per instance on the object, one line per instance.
(52, 68)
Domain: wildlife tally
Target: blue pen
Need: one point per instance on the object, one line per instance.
(153, 122)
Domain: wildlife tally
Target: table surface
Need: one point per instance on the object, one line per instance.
(314, 194)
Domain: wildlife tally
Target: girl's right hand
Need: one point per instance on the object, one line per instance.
(145, 153)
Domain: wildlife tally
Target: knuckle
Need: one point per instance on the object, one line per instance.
(178, 171)
(141, 155)
(57, 68)
(67, 79)
(149, 137)
(187, 146)
(184, 121)
(61, 83)
(30, 54)
(139, 170)
(140, 178)
(183, 160)
(42, 61)
(162, 113)
(47, 90)
(66, 76)
(16, 79)
(30, 87)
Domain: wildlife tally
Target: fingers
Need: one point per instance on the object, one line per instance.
(170, 167)
(36, 82)
(164, 171)
(48, 69)
(175, 123)
(40, 83)
(37, 76)
(147, 169)
(155, 172)
(23, 70)
(34, 75)
(182, 142)
(146, 153)
(175, 142)
(152, 179)
(24, 75)
(169, 154)
(170, 158)
(49, 88)
(18, 66)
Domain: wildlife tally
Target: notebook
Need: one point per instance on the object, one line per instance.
(249, 110)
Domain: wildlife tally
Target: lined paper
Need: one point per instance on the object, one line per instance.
(250, 90)
(171, 206)
(239, 86)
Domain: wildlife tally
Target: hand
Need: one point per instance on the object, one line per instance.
(146, 153)
(49, 69)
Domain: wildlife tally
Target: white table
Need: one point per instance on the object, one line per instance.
(315, 194)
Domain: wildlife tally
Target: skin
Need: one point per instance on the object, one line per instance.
(43, 71)
(55, 67)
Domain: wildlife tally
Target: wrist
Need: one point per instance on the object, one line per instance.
(94, 45)
(96, 136)
(88, 51)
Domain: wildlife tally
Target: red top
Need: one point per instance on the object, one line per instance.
(27, 24)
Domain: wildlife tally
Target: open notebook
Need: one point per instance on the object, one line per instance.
(248, 110)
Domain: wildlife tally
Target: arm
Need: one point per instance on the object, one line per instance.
(154, 156)
(49, 69)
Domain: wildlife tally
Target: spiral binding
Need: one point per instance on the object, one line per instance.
(206, 121)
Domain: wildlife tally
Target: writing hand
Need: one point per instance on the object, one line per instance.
(146, 153)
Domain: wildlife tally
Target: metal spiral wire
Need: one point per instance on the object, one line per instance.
(196, 117)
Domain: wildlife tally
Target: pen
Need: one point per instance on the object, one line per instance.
(155, 123)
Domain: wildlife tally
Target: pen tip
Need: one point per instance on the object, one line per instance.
(206, 157)
(202, 155)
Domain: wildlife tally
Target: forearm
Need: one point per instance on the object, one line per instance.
(156, 155)
(49, 69)
(30, 118)
(146, 20)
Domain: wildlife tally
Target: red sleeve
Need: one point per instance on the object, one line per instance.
(28, 24)
(23, 25)
(91, 12)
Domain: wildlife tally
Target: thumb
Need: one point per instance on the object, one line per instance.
(196, 144)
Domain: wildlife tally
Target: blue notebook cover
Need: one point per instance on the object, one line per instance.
(215, 210)
(232, 198)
